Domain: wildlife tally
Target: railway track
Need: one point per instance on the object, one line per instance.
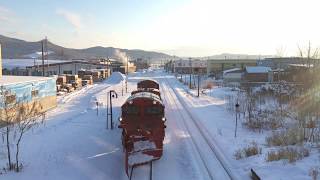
(134, 169)
(203, 132)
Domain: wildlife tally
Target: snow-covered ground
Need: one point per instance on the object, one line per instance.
(75, 144)
(211, 110)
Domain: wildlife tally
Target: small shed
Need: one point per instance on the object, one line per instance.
(258, 74)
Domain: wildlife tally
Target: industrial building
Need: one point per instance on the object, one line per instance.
(285, 62)
(27, 89)
(190, 66)
(217, 66)
(69, 67)
(73, 67)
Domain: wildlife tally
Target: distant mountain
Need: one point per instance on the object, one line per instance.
(237, 56)
(15, 49)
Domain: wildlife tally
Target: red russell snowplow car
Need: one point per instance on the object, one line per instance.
(143, 122)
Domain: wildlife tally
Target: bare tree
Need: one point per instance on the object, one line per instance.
(8, 114)
(280, 52)
(17, 117)
(29, 115)
(309, 53)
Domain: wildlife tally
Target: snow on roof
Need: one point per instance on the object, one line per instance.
(301, 65)
(147, 95)
(257, 69)
(23, 63)
(6, 80)
(231, 70)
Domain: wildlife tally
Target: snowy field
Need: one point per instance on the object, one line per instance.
(74, 142)
(211, 110)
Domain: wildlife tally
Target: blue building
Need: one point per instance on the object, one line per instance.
(27, 89)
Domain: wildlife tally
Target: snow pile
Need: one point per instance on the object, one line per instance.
(116, 77)
(142, 145)
(139, 158)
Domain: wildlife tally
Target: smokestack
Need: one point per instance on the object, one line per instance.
(0, 63)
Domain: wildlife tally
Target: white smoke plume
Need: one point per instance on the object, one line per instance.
(123, 57)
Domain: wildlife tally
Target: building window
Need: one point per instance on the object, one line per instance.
(34, 93)
(67, 72)
(10, 99)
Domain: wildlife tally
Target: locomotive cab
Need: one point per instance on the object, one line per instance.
(142, 110)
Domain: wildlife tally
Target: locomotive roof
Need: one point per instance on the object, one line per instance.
(148, 80)
(149, 89)
(147, 95)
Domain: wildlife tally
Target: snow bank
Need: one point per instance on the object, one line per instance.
(116, 77)
(142, 145)
(138, 158)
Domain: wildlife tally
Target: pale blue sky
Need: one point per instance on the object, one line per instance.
(181, 27)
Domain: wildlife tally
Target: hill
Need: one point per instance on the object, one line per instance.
(15, 49)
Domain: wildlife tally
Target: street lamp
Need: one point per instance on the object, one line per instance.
(237, 106)
(112, 94)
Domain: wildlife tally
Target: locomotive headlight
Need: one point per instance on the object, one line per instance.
(120, 119)
(163, 119)
(130, 102)
(154, 102)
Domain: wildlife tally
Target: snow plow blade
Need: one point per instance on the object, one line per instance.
(141, 157)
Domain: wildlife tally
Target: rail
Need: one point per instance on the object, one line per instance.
(193, 140)
(201, 129)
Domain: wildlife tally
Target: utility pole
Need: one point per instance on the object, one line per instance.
(127, 72)
(190, 64)
(198, 84)
(46, 54)
(42, 55)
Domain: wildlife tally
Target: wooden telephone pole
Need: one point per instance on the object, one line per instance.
(44, 54)
(127, 72)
